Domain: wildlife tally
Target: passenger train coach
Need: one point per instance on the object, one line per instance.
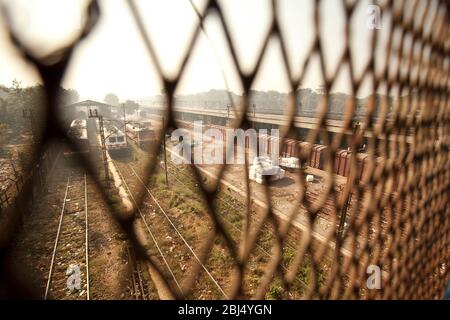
(116, 142)
(77, 133)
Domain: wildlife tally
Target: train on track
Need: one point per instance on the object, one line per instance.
(142, 133)
(317, 153)
(77, 133)
(116, 141)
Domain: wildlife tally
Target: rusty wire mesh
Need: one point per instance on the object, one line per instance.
(410, 221)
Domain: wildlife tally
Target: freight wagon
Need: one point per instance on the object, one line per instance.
(142, 133)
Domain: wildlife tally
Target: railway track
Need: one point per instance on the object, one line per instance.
(68, 276)
(234, 207)
(237, 206)
(174, 230)
(179, 234)
(138, 287)
(149, 231)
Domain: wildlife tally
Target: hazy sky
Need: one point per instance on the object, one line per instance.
(113, 59)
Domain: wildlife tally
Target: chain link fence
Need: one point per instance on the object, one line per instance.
(398, 215)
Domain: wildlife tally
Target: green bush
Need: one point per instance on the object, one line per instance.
(288, 255)
(160, 180)
(275, 292)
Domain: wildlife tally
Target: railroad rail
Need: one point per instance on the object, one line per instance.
(229, 222)
(67, 258)
(138, 288)
(189, 247)
(152, 236)
(219, 199)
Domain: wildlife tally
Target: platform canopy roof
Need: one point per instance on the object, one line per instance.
(89, 103)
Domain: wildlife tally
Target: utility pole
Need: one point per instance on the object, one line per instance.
(102, 139)
(29, 114)
(138, 117)
(344, 210)
(254, 115)
(17, 176)
(124, 123)
(164, 147)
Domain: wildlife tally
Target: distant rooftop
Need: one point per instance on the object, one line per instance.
(88, 103)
